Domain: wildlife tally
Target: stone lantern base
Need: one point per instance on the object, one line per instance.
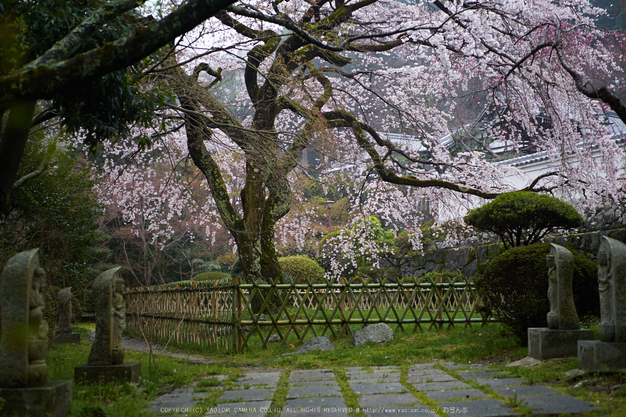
(545, 343)
(63, 338)
(595, 355)
(91, 374)
(53, 399)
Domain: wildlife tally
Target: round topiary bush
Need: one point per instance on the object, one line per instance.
(523, 217)
(301, 269)
(212, 276)
(514, 288)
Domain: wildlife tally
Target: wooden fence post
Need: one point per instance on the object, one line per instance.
(440, 303)
(342, 306)
(234, 316)
(239, 310)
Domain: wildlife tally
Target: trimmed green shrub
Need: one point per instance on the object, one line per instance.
(300, 268)
(523, 217)
(514, 288)
(212, 276)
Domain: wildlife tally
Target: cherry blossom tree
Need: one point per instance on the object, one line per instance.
(270, 80)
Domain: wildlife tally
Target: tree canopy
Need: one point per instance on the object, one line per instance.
(74, 60)
(265, 96)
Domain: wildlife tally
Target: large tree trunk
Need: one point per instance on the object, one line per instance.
(12, 144)
(254, 230)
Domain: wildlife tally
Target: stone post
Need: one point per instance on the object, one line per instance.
(63, 330)
(610, 351)
(563, 332)
(562, 315)
(106, 358)
(24, 385)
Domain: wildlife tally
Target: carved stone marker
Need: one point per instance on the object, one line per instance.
(562, 315)
(563, 332)
(63, 331)
(24, 385)
(106, 358)
(610, 351)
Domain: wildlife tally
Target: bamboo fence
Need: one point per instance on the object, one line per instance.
(224, 316)
(196, 313)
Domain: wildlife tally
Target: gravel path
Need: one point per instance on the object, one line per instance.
(139, 345)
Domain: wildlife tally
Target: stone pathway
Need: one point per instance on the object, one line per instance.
(426, 389)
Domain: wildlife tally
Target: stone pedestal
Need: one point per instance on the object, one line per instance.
(53, 399)
(545, 343)
(125, 372)
(66, 338)
(595, 355)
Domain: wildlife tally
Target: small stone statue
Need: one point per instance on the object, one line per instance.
(107, 348)
(24, 329)
(612, 288)
(562, 315)
(64, 311)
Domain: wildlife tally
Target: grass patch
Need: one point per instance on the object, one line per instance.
(488, 345)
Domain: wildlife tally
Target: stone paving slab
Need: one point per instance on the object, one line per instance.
(242, 414)
(373, 370)
(458, 394)
(315, 407)
(312, 375)
(249, 408)
(385, 368)
(500, 382)
(269, 379)
(320, 391)
(177, 402)
(260, 375)
(557, 404)
(438, 386)
(422, 372)
(256, 384)
(422, 366)
(316, 393)
(246, 395)
(478, 375)
(430, 378)
(450, 365)
(371, 379)
(389, 388)
(525, 391)
(313, 383)
(478, 408)
(414, 410)
(217, 377)
(387, 400)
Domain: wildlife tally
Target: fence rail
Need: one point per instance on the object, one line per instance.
(226, 316)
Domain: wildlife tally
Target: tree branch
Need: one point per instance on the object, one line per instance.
(344, 119)
(44, 81)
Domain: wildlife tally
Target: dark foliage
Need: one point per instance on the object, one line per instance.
(514, 287)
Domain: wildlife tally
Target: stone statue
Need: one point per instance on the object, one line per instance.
(64, 311)
(562, 315)
(553, 314)
(612, 288)
(107, 347)
(24, 329)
